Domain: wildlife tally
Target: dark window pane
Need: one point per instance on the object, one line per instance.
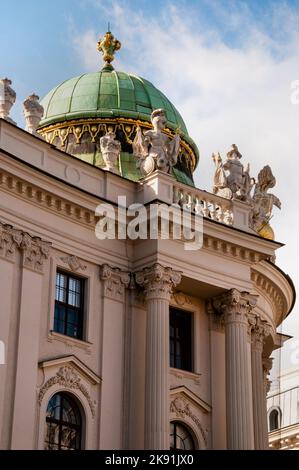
(59, 318)
(180, 339)
(52, 436)
(69, 305)
(180, 437)
(274, 420)
(61, 285)
(72, 330)
(63, 424)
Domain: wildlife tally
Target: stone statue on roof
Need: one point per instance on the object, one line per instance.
(154, 150)
(110, 149)
(263, 203)
(231, 179)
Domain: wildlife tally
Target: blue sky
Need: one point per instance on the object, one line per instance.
(226, 65)
(41, 33)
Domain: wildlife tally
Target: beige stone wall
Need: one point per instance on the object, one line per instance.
(54, 198)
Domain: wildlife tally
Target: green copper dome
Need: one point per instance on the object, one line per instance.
(82, 109)
(107, 94)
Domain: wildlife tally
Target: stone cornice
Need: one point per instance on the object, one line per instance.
(158, 281)
(66, 207)
(35, 250)
(272, 291)
(115, 281)
(46, 199)
(232, 250)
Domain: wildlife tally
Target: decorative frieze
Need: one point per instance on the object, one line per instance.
(158, 281)
(230, 249)
(115, 282)
(85, 216)
(60, 134)
(46, 199)
(73, 263)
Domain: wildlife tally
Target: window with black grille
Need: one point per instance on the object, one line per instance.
(180, 329)
(69, 305)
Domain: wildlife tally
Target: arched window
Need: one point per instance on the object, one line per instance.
(63, 423)
(274, 419)
(180, 437)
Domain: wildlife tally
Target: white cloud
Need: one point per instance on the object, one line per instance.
(227, 93)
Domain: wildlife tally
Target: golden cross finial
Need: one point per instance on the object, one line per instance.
(108, 45)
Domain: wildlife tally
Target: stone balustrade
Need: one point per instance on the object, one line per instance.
(160, 186)
(204, 203)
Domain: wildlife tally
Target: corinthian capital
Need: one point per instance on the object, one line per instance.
(235, 305)
(158, 281)
(115, 282)
(35, 252)
(10, 239)
(260, 330)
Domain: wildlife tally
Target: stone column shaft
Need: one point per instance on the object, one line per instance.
(158, 282)
(157, 377)
(236, 305)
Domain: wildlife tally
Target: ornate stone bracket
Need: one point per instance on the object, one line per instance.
(68, 378)
(158, 281)
(182, 299)
(73, 262)
(115, 282)
(35, 250)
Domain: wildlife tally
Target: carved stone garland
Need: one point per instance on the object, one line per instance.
(68, 378)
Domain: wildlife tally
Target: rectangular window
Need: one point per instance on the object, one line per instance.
(180, 330)
(69, 305)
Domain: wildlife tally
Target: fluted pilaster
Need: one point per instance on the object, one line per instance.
(157, 282)
(236, 306)
(260, 330)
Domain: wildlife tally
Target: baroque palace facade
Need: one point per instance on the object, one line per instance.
(130, 343)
